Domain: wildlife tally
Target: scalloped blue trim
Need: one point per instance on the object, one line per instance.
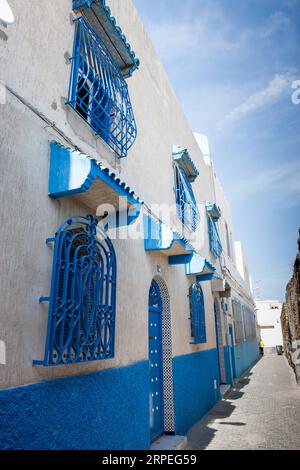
(153, 240)
(197, 266)
(77, 4)
(88, 171)
(213, 210)
(182, 157)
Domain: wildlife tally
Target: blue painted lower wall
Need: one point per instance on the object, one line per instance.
(110, 409)
(194, 393)
(228, 366)
(105, 410)
(246, 354)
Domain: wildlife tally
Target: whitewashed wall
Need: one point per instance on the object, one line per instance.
(269, 324)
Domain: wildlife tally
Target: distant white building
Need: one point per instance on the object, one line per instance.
(269, 324)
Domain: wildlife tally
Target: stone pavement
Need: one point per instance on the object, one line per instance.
(261, 412)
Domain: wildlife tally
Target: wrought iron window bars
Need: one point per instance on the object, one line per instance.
(238, 321)
(214, 238)
(198, 326)
(98, 91)
(187, 210)
(82, 302)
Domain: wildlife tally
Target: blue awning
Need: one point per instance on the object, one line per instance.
(159, 237)
(182, 157)
(75, 174)
(99, 16)
(200, 267)
(213, 210)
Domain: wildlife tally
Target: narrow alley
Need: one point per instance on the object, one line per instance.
(261, 412)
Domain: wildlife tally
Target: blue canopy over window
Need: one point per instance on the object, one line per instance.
(213, 210)
(159, 237)
(182, 157)
(99, 16)
(200, 267)
(74, 174)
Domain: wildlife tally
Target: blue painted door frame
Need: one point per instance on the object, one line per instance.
(232, 351)
(156, 402)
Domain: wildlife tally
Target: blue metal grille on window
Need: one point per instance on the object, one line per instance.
(98, 91)
(198, 326)
(82, 302)
(187, 210)
(214, 238)
(238, 321)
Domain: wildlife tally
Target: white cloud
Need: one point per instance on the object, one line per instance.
(273, 92)
(201, 36)
(283, 179)
(278, 21)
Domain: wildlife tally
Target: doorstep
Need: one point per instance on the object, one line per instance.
(170, 443)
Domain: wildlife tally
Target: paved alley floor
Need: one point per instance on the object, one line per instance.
(261, 412)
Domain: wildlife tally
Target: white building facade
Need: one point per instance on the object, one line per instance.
(269, 324)
(125, 302)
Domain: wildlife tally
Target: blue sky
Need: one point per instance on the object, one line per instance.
(232, 64)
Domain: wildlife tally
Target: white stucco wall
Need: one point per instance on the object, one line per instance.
(268, 319)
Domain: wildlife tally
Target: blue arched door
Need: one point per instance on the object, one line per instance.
(156, 402)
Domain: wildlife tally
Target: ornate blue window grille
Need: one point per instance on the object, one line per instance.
(214, 238)
(187, 210)
(82, 303)
(155, 296)
(198, 326)
(98, 91)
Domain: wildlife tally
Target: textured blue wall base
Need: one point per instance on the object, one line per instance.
(105, 410)
(246, 354)
(229, 378)
(194, 392)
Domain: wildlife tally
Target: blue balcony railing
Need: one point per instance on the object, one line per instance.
(214, 238)
(187, 209)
